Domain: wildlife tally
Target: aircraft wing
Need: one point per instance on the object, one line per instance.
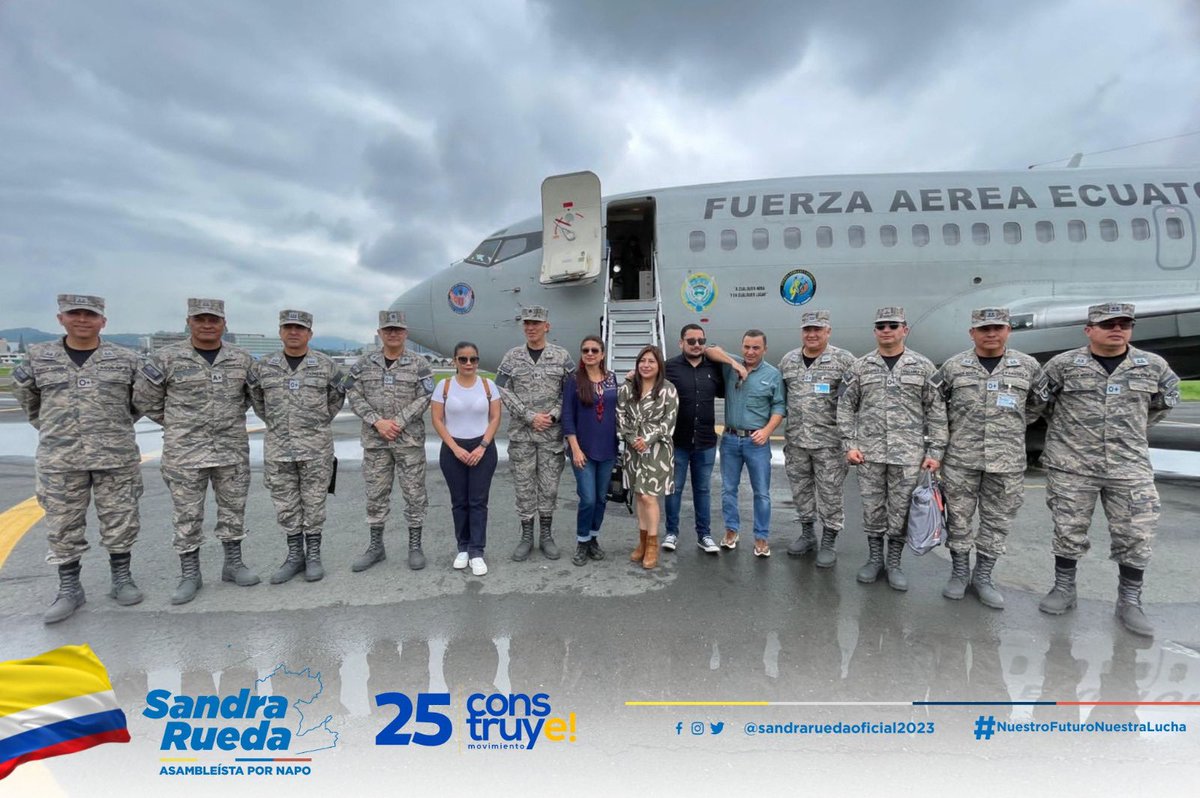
(1049, 312)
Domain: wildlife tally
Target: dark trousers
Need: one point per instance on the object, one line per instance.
(469, 488)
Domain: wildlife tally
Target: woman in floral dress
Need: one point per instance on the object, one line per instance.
(646, 409)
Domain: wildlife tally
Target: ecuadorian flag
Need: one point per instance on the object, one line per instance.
(56, 703)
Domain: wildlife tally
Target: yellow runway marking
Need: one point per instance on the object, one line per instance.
(15, 522)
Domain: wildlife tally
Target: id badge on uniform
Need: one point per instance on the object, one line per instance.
(808, 378)
(293, 385)
(218, 378)
(1113, 390)
(1006, 400)
(891, 381)
(388, 379)
(821, 387)
(85, 382)
(993, 385)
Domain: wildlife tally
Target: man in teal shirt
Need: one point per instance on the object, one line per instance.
(754, 407)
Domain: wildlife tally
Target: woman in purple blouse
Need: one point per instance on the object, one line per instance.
(589, 422)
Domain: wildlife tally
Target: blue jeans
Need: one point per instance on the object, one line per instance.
(700, 462)
(734, 452)
(591, 483)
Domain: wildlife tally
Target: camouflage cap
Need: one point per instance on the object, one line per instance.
(295, 317)
(1110, 310)
(392, 318)
(985, 317)
(535, 313)
(815, 318)
(890, 314)
(69, 302)
(211, 307)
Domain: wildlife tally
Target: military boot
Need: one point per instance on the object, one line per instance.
(546, 539)
(1062, 596)
(374, 552)
(827, 556)
(313, 570)
(896, 577)
(960, 575)
(416, 557)
(234, 569)
(525, 545)
(805, 543)
(981, 580)
(123, 588)
(70, 594)
(874, 564)
(190, 582)
(1129, 607)
(294, 563)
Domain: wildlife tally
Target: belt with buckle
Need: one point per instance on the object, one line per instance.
(741, 433)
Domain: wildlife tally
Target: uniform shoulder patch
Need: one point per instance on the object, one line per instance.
(22, 375)
(427, 383)
(153, 373)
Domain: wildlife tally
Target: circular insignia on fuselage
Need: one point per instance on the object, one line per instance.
(461, 297)
(699, 291)
(797, 287)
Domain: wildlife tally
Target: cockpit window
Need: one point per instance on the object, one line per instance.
(485, 253)
(495, 250)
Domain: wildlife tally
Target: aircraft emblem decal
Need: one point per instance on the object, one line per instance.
(699, 291)
(797, 287)
(461, 297)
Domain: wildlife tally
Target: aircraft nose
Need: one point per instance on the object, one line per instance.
(418, 313)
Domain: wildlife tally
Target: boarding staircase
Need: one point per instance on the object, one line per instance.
(630, 325)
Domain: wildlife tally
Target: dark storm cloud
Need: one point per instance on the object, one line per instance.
(714, 47)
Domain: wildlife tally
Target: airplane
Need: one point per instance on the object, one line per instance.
(756, 254)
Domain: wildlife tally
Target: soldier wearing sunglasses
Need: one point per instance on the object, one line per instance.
(1103, 398)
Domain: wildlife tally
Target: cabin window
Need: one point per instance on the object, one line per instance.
(1045, 232)
(1108, 229)
(512, 247)
(760, 238)
(1012, 233)
(824, 237)
(728, 239)
(696, 241)
(887, 235)
(1174, 227)
(950, 234)
(981, 233)
(485, 253)
(856, 235)
(1141, 229)
(791, 237)
(1077, 230)
(920, 235)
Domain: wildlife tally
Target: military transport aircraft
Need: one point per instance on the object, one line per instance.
(732, 256)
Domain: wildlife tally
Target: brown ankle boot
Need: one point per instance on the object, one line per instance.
(640, 551)
(651, 560)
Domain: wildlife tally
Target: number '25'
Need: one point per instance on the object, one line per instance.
(391, 734)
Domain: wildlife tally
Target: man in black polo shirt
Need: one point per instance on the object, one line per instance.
(696, 375)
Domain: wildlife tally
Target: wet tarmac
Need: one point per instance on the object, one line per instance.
(727, 628)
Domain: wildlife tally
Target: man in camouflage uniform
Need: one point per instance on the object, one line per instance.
(530, 379)
(1103, 398)
(893, 424)
(78, 394)
(298, 392)
(197, 391)
(992, 393)
(389, 390)
(815, 464)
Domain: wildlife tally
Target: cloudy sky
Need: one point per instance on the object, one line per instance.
(301, 153)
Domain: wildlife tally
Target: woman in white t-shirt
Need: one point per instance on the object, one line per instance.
(466, 415)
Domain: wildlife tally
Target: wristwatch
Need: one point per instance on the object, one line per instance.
(484, 442)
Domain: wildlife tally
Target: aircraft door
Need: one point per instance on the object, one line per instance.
(572, 228)
(1176, 237)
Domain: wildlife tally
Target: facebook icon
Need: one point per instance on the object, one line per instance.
(679, 727)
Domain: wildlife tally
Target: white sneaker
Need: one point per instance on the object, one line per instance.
(460, 562)
(669, 542)
(478, 566)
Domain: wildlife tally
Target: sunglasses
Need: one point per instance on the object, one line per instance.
(888, 325)
(591, 350)
(695, 341)
(465, 359)
(1116, 324)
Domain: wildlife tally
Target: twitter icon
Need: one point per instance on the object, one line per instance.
(718, 727)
